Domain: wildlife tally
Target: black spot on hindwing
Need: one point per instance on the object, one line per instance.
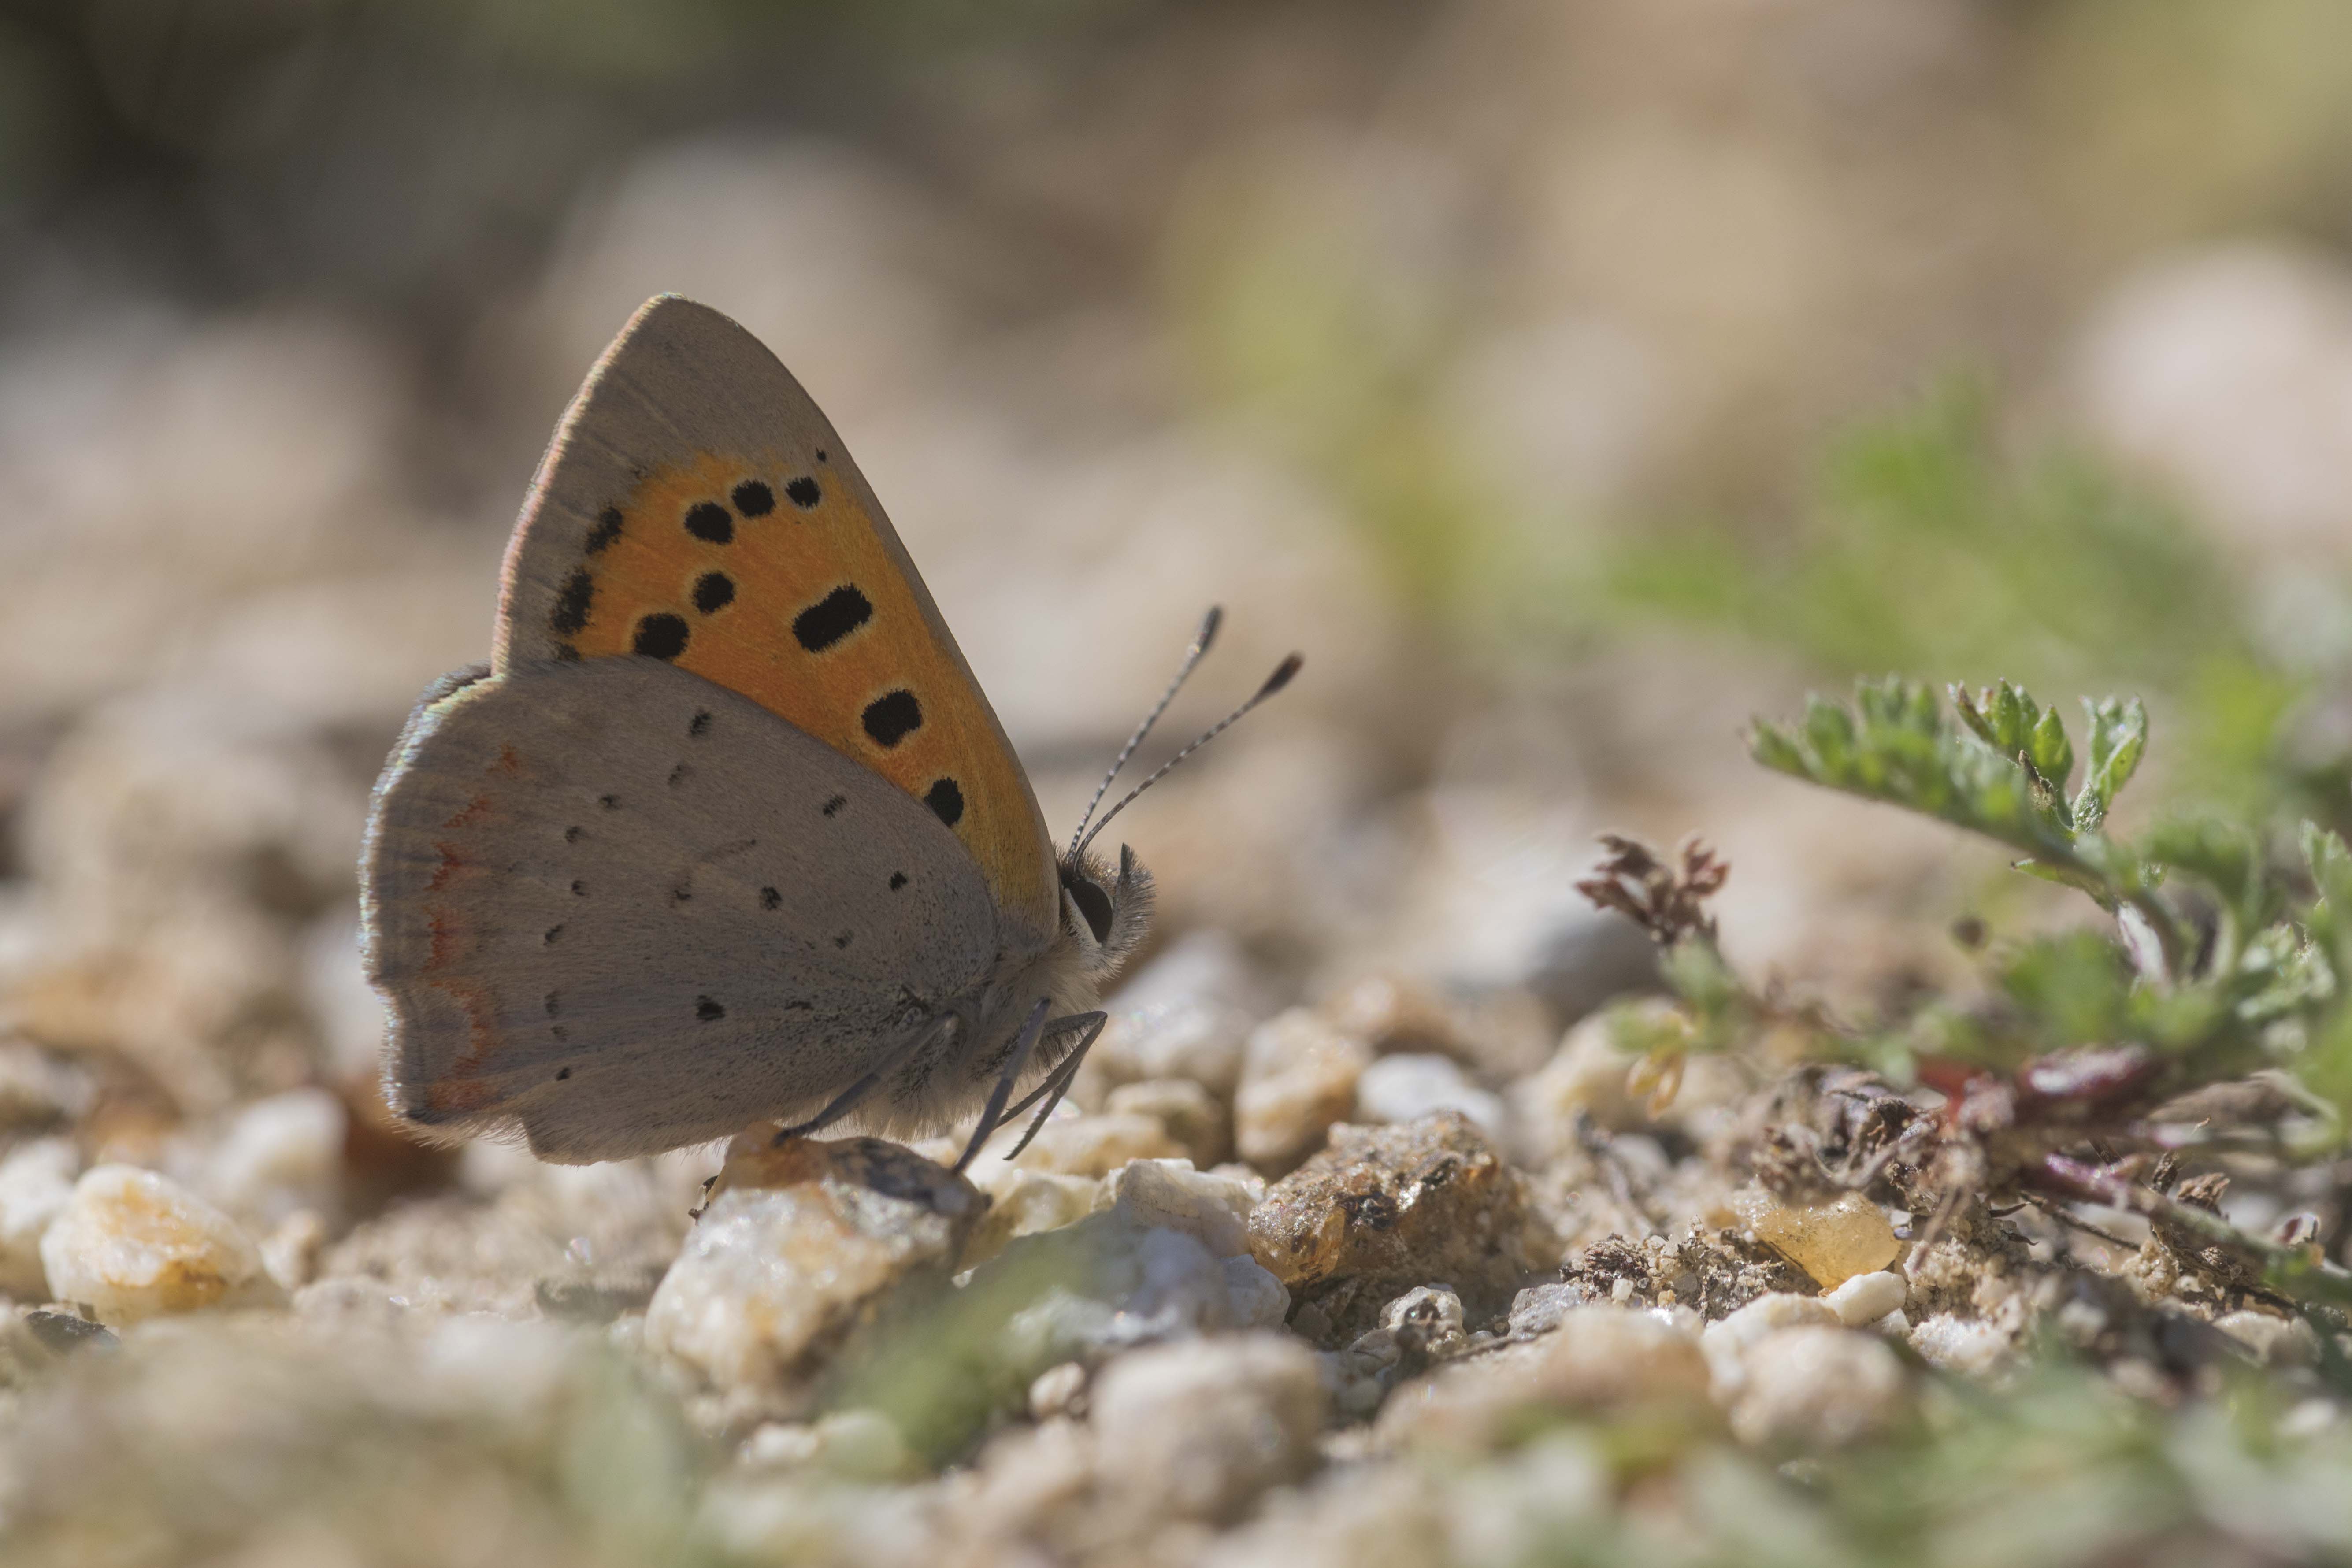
(708, 521)
(607, 529)
(835, 803)
(804, 493)
(946, 798)
(709, 1011)
(753, 499)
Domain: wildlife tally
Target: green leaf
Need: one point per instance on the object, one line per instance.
(2118, 737)
(2052, 754)
(1770, 746)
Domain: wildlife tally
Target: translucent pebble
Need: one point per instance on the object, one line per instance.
(1833, 1242)
(132, 1245)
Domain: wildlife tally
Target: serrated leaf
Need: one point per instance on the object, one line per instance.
(1769, 745)
(2117, 740)
(2052, 754)
(1971, 713)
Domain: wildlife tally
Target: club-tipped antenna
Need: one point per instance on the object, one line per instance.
(1201, 641)
(1274, 683)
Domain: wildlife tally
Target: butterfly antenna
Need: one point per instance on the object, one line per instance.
(1274, 683)
(1201, 641)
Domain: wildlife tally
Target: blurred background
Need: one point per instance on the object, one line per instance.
(1569, 379)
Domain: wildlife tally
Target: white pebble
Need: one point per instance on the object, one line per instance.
(1406, 1088)
(1771, 1311)
(1200, 1428)
(1819, 1387)
(1959, 1344)
(281, 1154)
(132, 1245)
(1258, 1299)
(1170, 1194)
(36, 1181)
(1866, 1298)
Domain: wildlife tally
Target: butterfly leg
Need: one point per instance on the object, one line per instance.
(846, 1100)
(1089, 1026)
(990, 1117)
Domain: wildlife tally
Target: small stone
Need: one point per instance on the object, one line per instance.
(1596, 1358)
(1539, 1308)
(1090, 1145)
(1408, 1088)
(1389, 1013)
(1171, 1195)
(1186, 1015)
(1201, 1429)
(1428, 1320)
(290, 1253)
(1866, 1298)
(1585, 1076)
(281, 1155)
(36, 1181)
(1769, 1313)
(1833, 1242)
(1961, 1344)
(2274, 1341)
(38, 1090)
(1196, 1119)
(1058, 1391)
(1023, 1202)
(1297, 1079)
(798, 1246)
(1820, 1387)
(131, 1245)
(1258, 1299)
(1389, 1207)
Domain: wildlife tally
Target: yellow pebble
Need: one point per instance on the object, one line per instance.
(1833, 1243)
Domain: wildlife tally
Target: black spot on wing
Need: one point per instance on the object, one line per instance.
(607, 529)
(661, 635)
(946, 798)
(841, 940)
(713, 592)
(804, 493)
(769, 898)
(679, 775)
(709, 1011)
(572, 834)
(553, 932)
(832, 618)
(699, 724)
(898, 881)
(609, 802)
(578, 888)
(708, 521)
(571, 605)
(753, 499)
(835, 803)
(892, 717)
(563, 1073)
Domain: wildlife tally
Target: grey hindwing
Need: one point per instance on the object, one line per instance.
(622, 908)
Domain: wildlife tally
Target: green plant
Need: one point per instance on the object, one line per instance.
(2220, 963)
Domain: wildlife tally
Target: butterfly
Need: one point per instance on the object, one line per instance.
(726, 831)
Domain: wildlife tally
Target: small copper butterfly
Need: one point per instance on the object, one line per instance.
(726, 830)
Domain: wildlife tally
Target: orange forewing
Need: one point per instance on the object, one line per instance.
(774, 567)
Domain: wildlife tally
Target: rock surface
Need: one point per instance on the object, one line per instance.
(800, 1245)
(1387, 1208)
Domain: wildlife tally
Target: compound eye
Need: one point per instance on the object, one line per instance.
(1093, 903)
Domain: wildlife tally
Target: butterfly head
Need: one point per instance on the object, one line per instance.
(1105, 913)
